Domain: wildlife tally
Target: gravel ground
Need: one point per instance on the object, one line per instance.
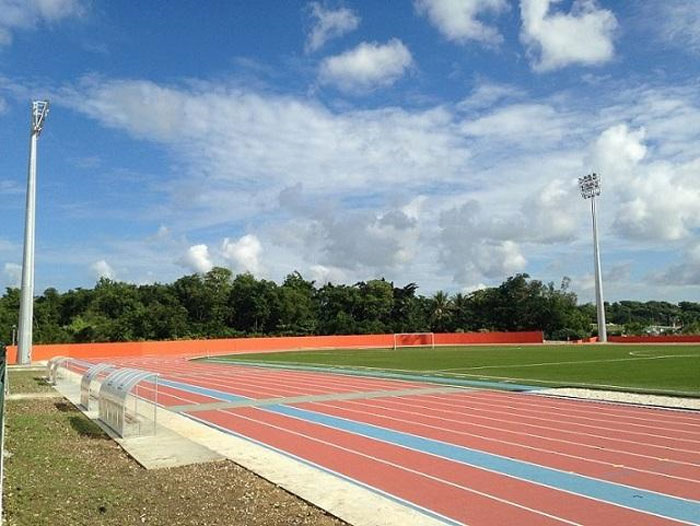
(628, 398)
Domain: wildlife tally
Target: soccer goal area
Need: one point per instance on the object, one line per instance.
(414, 339)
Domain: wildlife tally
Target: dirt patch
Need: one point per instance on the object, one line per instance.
(63, 470)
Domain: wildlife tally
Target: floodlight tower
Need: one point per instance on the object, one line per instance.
(590, 189)
(40, 109)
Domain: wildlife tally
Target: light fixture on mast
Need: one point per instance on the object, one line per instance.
(590, 189)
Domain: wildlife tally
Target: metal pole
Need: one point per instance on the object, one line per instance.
(602, 330)
(40, 108)
(26, 305)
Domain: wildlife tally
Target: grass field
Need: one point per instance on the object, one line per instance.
(672, 369)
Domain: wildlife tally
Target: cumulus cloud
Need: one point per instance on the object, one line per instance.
(618, 149)
(377, 241)
(102, 269)
(322, 274)
(27, 14)
(684, 273)
(458, 20)
(546, 215)
(243, 254)
(13, 274)
(660, 203)
(372, 241)
(368, 66)
(328, 24)
(197, 259)
(657, 201)
(555, 40)
(473, 246)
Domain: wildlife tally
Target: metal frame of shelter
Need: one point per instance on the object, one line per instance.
(52, 368)
(87, 393)
(116, 398)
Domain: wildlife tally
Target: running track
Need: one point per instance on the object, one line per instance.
(476, 457)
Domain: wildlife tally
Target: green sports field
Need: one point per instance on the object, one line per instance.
(671, 369)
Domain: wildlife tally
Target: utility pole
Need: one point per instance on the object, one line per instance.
(590, 189)
(40, 109)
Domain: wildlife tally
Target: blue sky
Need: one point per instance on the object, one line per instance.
(434, 141)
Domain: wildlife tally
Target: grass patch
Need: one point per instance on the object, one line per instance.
(24, 381)
(671, 369)
(63, 470)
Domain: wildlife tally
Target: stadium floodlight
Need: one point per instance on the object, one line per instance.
(590, 189)
(40, 109)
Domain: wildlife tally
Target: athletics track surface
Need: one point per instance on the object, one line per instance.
(476, 457)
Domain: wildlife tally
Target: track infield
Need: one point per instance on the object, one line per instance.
(459, 456)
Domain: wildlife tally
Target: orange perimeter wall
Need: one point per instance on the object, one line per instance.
(678, 338)
(242, 345)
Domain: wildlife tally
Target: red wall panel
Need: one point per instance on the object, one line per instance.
(242, 345)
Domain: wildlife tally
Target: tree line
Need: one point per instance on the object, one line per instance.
(220, 305)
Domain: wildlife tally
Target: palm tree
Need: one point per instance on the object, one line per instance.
(440, 311)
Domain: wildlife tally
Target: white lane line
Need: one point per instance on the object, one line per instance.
(576, 419)
(610, 409)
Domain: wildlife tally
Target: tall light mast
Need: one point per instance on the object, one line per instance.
(40, 109)
(590, 189)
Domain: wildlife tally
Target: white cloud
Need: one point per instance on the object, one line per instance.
(485, 94)
(27, 14)
(322, 274)
(366, 67)
(102, 269)
(530, 125)
(546, 215)
(13, 273)
(473, 246)
(328, 24)
(197, 259)
(656, 201)
(618, 149)
(362, 191)
(556, 40)
(243, 254)
(661, 202)
(676, 23)
(458, 20)
(684, 273)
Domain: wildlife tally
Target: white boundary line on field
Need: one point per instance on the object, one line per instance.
(572, 362)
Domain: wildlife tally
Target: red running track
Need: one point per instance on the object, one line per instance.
(653, 450)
